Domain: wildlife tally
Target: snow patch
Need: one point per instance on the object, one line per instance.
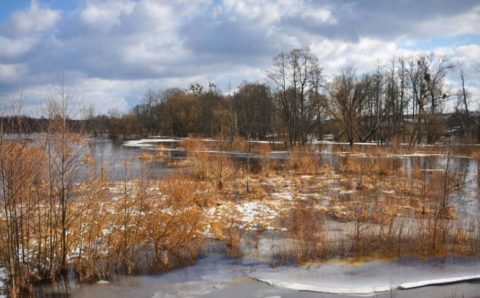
(369, 278)
(439, 281)
(365, 290)
(147, 142)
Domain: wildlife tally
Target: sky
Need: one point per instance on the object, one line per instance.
(110, 52)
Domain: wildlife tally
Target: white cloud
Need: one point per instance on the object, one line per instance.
(320, 15)
(103, 15)
(363, 55)
(266, 13)
(13, 48)
(34, 20)
(444, 26)
(11, 72)
(470, 54)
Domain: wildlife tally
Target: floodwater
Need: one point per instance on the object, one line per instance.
(122, 162)
(215, 275)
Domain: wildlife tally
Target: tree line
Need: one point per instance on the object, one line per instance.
(406, 100)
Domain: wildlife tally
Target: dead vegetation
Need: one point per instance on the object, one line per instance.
(55, 219)
(382, 208)
(361, 207)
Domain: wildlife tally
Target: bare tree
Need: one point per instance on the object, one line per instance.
(212, 109)
(65, 150)
(463, 106)
(253, 109)
(18, 170)
(179, 112)
(296, 80)
(348, 94)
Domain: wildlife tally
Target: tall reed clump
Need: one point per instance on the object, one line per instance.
(37, 185)
(19, 167)
(303, 161)
(137, 226)
(215, 167)
(305, 227)
(233, 233)
(198, 157)
(476, 154)
(266, 162)
(435, 220)
(178, 224)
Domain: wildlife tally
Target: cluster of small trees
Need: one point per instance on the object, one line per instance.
(36, 184)
(60, 214)
(406, 100)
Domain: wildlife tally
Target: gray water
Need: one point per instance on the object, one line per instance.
(120, 162)
(217, 276)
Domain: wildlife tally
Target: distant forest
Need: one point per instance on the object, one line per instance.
(402, 101)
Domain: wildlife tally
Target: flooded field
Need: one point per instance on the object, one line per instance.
(264, 241)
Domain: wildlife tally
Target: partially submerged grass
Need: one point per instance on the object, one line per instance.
(370, 206)
(383, 211)
(303, 161)
(146, 157)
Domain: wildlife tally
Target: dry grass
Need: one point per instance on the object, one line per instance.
(153, 225)
(303, 161)
(128, 226)
(413, 220)
(476, 154)
(161, 222)
(305, 225)
(161, 154)
(146, 157)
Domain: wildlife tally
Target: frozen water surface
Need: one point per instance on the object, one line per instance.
(217, 276)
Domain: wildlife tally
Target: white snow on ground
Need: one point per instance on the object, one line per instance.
(251, 210)
(285, 195)
(368, 278)
(150, 142)
(3, 277)
(248, 214)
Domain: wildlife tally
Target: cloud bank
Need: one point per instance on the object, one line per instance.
(110, 52)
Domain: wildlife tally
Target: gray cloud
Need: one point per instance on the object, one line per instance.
(382, 19)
